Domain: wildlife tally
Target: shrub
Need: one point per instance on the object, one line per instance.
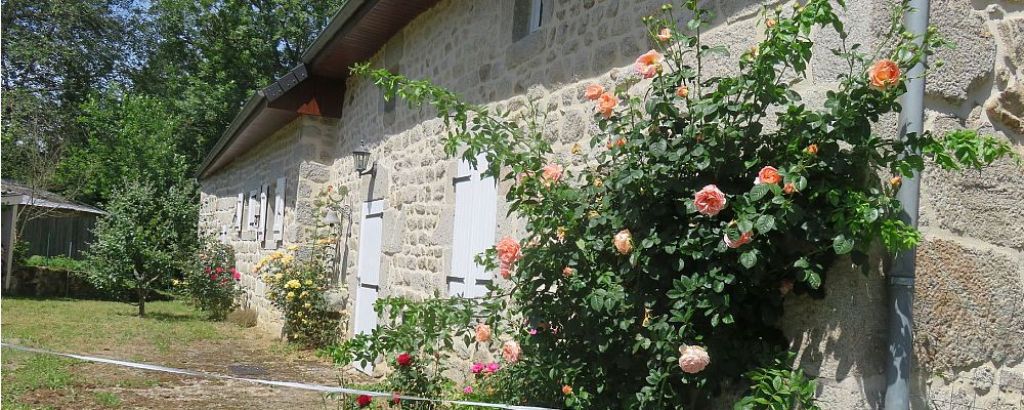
(147, 238)
(58, 263)
(212, 283)
(299, 278)
(654, 267)
(296, 287)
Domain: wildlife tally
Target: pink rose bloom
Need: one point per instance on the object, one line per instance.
(492, 367)
(511, 351)
(476, 368)
(623, 241)
(567, 271)
(551, 174)
(709, 200)
(649, 64)
(532, 331)
(743, 240)
(506, 270)
(693, 359)
(467, 389)
(593, 91)
(483, 333)
(220, 269)
(664, 35)
(235, 274)
(509, 251)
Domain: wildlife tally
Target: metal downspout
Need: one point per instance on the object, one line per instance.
(901, 275)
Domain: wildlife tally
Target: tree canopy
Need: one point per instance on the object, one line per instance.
(96, 88)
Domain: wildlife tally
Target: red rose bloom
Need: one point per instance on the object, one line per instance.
(404, 359)
(363, 400)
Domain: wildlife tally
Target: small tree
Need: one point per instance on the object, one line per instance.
(145, 240)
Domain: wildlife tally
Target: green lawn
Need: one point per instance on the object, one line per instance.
(172, 334)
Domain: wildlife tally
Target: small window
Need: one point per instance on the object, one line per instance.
(536, 15)
(527, 17)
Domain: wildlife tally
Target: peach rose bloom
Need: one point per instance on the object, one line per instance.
(483, 333)
(593, 91)
(682, 91)
(649, 64)
(744, 239)
(812, 149)
(506, 270)
(511, 351)
(623, 241)
(567, 390)
(606, 103)
(770, 23)
(551, 174)
(789, 188)
(896, 181)
(664, 35)
(509, 251)
(709, 200)
(567, 271)
(768, 175)
(693, 359)
(884, 74)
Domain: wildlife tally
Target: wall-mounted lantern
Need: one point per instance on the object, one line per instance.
(362, 158)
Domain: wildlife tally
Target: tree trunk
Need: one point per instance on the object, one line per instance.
(142, 301)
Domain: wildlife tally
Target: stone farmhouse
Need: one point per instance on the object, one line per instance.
(417, 217)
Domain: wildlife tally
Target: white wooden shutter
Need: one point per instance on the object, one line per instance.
(237, 223)
(262, 216)
(279, 210)
(462, 232)
(368, 275)
(475, 223)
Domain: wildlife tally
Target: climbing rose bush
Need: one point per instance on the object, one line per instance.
(655, 265)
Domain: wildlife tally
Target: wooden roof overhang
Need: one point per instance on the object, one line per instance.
(317, 85)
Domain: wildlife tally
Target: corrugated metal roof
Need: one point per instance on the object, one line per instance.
(15, 193)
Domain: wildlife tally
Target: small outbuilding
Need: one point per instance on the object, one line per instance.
(48, 223)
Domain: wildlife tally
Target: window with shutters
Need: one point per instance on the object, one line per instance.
(476, 201)
(268, 219)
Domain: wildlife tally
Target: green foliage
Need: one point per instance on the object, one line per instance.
(58, 263)
(146, 239)
(613, 327)
(211, 284)
(127, 137)
(778, 387)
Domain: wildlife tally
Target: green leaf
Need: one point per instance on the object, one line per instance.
(842, 245)
(765, 223)
(748, 259)
(758, 192)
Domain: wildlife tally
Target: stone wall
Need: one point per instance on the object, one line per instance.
(295, 152)
(969, 298)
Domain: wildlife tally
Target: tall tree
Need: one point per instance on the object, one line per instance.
(126, 136)
(206, 58)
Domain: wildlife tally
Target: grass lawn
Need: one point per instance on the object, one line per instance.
(172, 334)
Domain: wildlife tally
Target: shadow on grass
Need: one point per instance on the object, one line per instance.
(165, 317)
